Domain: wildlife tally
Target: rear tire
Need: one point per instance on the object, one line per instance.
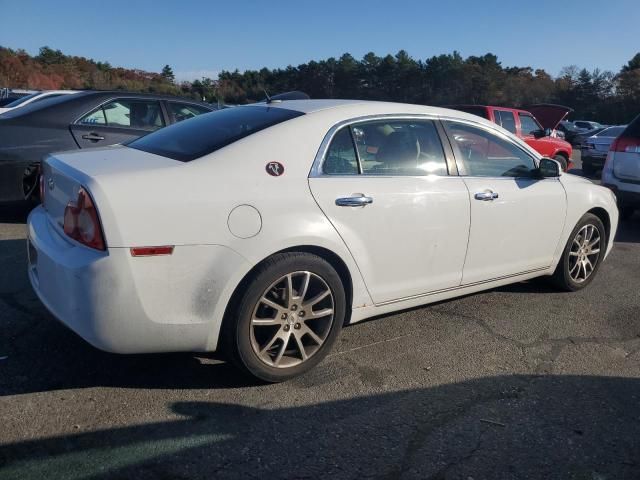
(563, 162)
(279, 329)
(582, 255)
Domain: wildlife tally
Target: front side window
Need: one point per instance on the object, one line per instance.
(387, 148)
(506, 120)
(127, 113)
(480, 153)
(528, 124)
(184, 111)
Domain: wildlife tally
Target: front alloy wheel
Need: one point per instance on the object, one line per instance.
(286, 317)
(582, 254)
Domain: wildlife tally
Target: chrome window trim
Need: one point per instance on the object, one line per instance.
(316, 168)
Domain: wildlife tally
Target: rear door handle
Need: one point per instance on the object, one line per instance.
(354, 201)
(94, 137)
(486, 196)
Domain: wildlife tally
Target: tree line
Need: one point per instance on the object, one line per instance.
(609, 97)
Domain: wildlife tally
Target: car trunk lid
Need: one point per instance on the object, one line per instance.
(64, 174)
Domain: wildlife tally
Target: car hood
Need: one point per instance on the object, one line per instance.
(549, 115)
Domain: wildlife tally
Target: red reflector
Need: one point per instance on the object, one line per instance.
(151, 251)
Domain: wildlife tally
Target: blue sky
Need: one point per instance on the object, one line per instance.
(199, 37)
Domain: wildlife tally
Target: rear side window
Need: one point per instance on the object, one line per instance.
(204, 134)
(396, 148)
(505, 119)
(341, 158)
(184, 111)
(126, 113)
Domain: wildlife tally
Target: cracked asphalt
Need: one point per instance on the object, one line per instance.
(515, 383)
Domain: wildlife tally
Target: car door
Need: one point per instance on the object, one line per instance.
(118, 121)
(516, 218)
(404, 219)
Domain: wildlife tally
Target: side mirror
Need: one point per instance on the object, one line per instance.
(549, 168)
(541, 133)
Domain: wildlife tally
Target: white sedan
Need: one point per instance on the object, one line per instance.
(261, 230)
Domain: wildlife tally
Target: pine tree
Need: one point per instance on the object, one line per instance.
(167, 72)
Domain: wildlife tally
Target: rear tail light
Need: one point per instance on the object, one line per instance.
(626, 144)
(81, 221)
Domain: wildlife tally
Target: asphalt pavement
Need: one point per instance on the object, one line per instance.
(514, 383)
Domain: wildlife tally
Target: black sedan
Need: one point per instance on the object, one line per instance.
(84, 120)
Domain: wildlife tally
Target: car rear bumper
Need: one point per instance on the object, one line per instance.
(124, 304)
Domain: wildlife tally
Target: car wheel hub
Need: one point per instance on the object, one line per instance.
(292, 319)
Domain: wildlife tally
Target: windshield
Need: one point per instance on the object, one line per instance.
(21, 100)
(204, 134)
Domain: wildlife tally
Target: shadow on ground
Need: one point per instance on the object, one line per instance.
(569, 427)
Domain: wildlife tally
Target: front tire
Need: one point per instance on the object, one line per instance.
(582, 255)
(563, 162)
(288, 319)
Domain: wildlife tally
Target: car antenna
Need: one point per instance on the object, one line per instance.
(266, 95)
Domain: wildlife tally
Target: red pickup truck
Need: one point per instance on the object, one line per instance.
(535, 126)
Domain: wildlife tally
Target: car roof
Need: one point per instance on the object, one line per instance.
(364, 107)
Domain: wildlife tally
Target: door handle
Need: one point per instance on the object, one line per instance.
(358, 200)
(94, 137)
(486, 196)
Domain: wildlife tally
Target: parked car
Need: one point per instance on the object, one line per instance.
(595, 148)
(536, 130)
(580, 139)
(621, 171)
(587, 125)
(261, 230)
(569, 130)
(34, 98)
(83, 120)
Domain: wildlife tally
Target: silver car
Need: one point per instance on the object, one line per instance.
(595, 148)
(621, 172)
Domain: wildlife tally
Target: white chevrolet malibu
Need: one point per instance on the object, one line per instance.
(261, 230)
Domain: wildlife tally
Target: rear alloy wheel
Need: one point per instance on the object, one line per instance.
(289, 317)
(563, 162)
(582, 255)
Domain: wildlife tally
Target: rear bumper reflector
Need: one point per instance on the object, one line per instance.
(151, 251)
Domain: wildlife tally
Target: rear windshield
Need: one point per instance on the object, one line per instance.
(204, 134)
